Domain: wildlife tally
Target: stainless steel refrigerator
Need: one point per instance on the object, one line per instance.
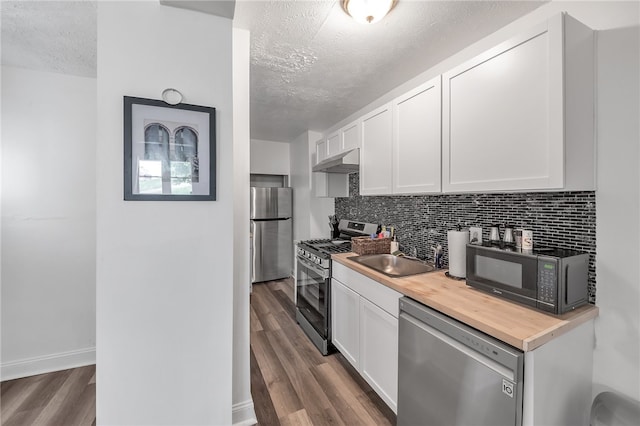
(271, 231)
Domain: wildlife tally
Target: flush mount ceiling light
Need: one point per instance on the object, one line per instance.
(368, 11)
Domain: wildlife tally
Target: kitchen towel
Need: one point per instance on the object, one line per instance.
(457, 242)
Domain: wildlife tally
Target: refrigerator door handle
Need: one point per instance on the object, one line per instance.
(253, 251)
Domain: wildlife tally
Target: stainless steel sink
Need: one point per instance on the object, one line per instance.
(392, 266)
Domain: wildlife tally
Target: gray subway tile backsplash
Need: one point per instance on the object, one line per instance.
(558, 219)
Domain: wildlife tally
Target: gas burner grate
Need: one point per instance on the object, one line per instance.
(316, 242)
(341, 248)
(328, 246)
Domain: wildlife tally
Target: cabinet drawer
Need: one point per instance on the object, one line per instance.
(376, 293)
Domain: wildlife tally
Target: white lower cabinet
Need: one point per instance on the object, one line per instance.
(345, 321)
(379, 351)
(364, 327)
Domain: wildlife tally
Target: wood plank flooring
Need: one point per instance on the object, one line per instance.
(291, 382)
(65, 397)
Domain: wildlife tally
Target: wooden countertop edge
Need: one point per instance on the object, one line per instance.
(563, 323)
(568, 322)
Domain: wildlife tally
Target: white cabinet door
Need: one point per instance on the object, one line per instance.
(496, 111)
(417, 140)
(364, 322)
(504, 124)
(379, 351)
(333, 144)
(376, 152)
(345, 321)
(350, 136)
(322, 150)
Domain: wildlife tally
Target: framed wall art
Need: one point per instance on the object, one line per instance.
(169, 151)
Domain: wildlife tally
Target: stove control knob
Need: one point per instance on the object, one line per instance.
(318, 260)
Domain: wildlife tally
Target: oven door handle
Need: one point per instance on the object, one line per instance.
(324, 273)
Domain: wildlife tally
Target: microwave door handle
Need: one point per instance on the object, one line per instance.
(565, 284)
(572, 288)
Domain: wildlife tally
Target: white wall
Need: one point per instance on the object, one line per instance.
(320, 207)
(164, 269)
(48, 222)
(617, 355)
(269, 157)
(300, 182)
(617, 352)
(310, 214)
(243, 412)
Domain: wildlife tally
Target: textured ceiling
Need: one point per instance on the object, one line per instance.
(57, 36)
(224, 8)
(311, 65)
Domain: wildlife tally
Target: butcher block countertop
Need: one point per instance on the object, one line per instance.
(517, 325)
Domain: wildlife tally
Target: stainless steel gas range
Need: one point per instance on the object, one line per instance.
(313, 280)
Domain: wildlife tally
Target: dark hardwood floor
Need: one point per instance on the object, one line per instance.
(65, 397)
(291, 382)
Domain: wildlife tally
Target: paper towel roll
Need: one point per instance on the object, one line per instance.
(457, 241)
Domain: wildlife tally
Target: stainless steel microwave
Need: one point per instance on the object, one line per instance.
(549, 279)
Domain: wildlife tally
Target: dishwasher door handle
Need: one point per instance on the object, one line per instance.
(472, 353)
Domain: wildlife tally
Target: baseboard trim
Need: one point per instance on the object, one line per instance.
(243, 414)
(47, 364)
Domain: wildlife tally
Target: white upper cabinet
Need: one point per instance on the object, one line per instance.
(401, 144)
(322, 151)
(345, 139)
(333, 144)
(350, 136)
(521, 116)
(376, 152)
(417, 140)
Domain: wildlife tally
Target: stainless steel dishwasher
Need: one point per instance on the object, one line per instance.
(451, 374)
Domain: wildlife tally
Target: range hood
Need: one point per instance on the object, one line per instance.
(346, 162)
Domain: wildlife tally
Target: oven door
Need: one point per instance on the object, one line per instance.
(509, 275)
(312, 294)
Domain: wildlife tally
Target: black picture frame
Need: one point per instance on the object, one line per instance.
(169, 151)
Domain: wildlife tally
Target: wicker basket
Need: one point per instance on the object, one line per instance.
(365, 245)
